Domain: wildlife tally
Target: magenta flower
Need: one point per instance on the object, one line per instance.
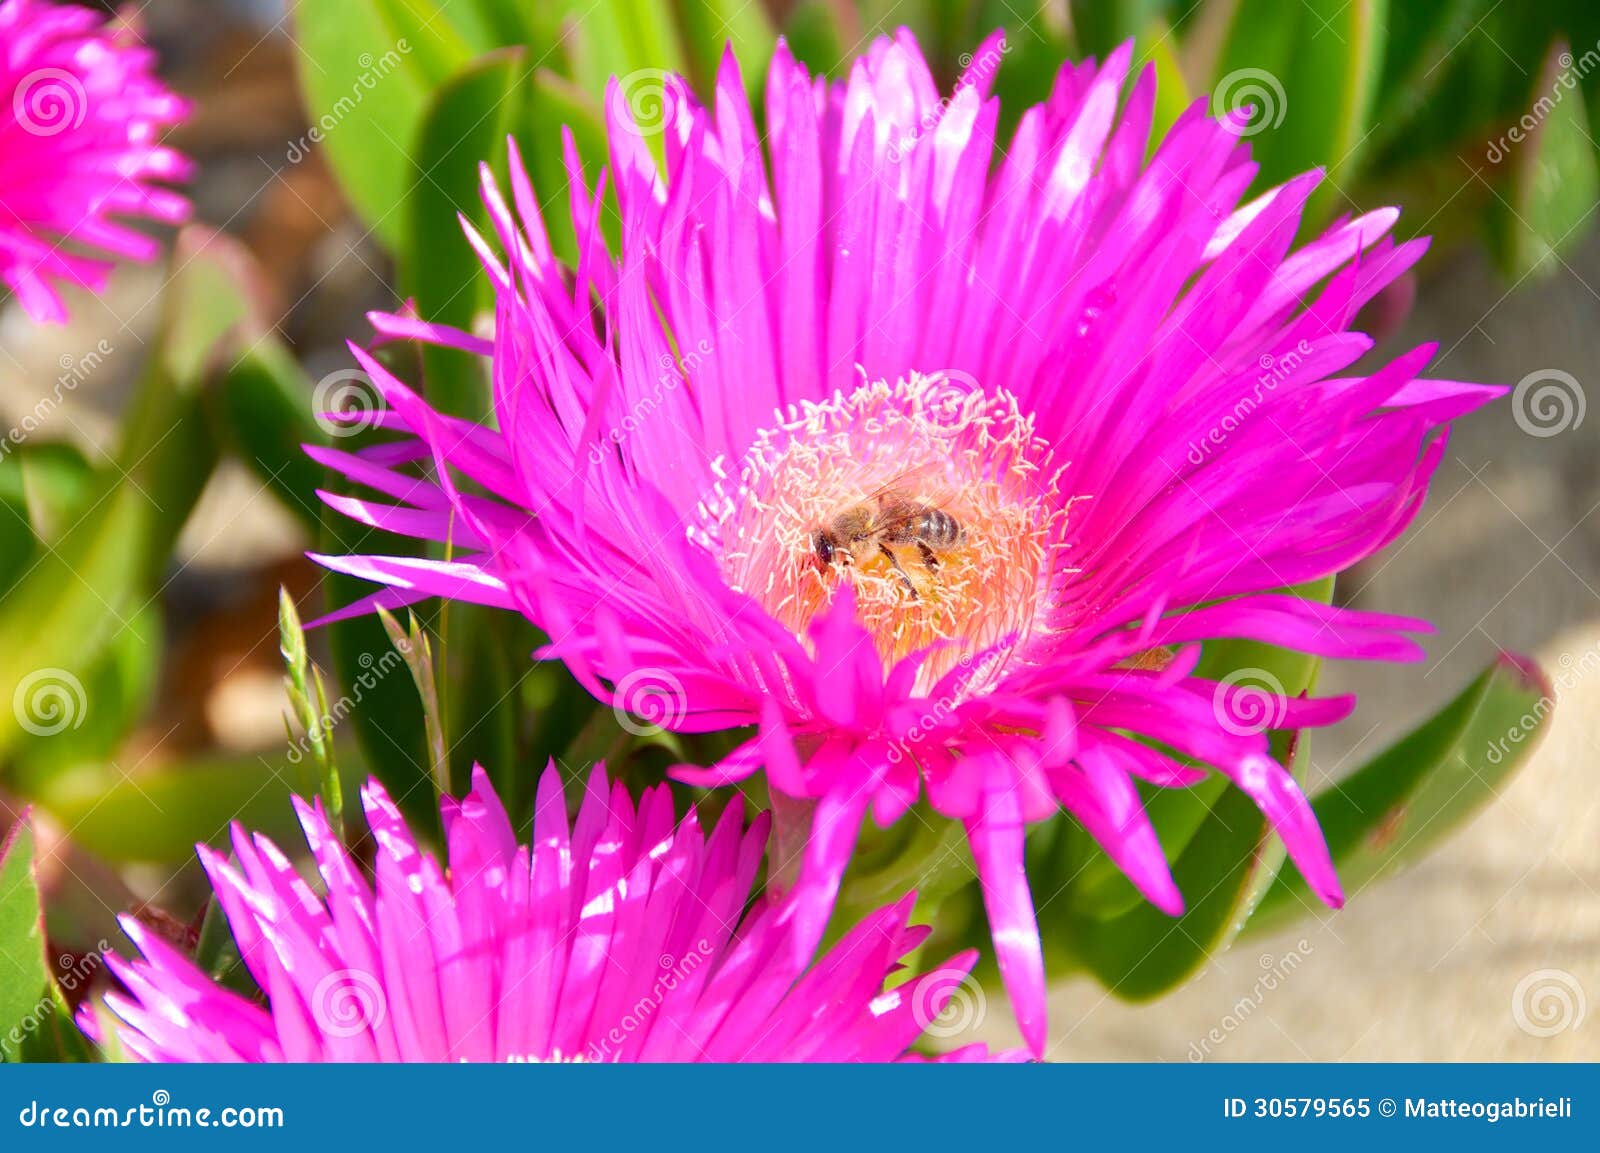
(934, 461)
(81, 117)
(623, 938)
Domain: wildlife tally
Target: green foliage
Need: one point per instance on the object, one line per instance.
(1391, 810)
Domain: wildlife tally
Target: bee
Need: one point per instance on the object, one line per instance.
(885, 522)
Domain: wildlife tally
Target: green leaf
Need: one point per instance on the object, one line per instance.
(1158, 45)
(1142, 953)
(1392, 809)
(553, 100)
(263, 409)
(710, 25)
(25, 984)
(1554, 181)
(1099, 26)
(1312, 72)
(1419, 45)
(1271, 675)
(120, 686)
(815, 38)
(157, 813)
(437, 45)
(363, 96)
(467, 121)
(40, 486)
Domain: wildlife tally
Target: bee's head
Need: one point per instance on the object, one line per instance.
(824, 544)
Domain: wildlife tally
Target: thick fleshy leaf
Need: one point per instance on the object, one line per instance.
(1420, 44)
(263, 408)
(709, 25)
(1311, 72)
(364, 97)
(158, 813)
(1392, 809)
(1274, 676)
(1157, 44)
(1228, 862)
(465, 122)
(1099, 26)
(1554, 182)
(25, 983)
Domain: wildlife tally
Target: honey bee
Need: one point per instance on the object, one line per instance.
(885, 522)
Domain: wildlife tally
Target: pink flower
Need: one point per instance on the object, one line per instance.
(81, 116)
(934, 460)
(623, 938)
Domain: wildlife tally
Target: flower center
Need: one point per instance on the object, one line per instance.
(934, 500)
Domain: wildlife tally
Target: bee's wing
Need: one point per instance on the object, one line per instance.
(900, 490)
